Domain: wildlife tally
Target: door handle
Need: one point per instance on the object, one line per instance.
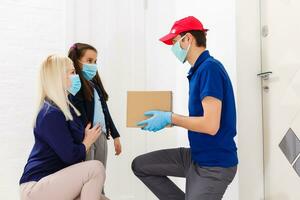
(265, 75)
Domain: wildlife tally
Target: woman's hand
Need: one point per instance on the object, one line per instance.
(118, 147)
(91, 135)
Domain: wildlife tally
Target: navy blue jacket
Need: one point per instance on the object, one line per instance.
(86, 108)
(58, 144)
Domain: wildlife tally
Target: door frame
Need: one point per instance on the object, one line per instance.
(249, 100)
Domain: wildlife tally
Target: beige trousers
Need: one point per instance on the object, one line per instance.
(80, 181)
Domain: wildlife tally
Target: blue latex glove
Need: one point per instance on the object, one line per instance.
(158, 121)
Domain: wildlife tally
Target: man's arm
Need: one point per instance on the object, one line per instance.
(209, 123)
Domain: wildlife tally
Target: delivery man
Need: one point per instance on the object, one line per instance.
(210, 164)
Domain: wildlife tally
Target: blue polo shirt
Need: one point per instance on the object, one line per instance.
(208, 77)
(98, 112)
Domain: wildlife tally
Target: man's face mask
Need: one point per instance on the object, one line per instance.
(179, 52)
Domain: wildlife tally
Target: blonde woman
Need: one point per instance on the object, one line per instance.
(56, 168)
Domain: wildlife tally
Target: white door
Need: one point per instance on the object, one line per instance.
(281, 98)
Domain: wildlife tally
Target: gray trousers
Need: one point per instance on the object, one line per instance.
(202, 183)
(99, 151)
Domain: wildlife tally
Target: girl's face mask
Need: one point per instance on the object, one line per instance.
(89, 71)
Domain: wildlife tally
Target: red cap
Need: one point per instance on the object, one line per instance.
(186, 24)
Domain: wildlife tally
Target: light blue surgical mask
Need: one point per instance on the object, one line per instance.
(75, 84)
(179, 52)
(89, 71)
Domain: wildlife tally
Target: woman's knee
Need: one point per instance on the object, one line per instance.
(96, 167)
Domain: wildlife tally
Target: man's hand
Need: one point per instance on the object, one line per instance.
(158, 121)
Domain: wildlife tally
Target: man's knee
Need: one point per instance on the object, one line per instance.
(137, 166)
(205, 197)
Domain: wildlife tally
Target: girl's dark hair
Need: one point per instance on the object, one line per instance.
(200, 37)
(76, 52)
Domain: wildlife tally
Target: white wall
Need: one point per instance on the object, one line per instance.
(30, 30)
(126, 34)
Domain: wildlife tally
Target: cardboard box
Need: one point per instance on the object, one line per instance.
(138, 102)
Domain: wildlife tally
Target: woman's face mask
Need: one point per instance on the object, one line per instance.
(179, 52)
(75, 84)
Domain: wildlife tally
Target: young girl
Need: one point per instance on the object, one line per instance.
(91, 100)
(55, 169)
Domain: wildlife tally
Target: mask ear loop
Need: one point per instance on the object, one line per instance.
(187, 50)
(182, 38)
(189, 44)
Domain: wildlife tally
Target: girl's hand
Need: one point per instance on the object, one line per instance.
(118, 147)
(91, 135)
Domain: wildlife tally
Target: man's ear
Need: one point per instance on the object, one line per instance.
(189, 37)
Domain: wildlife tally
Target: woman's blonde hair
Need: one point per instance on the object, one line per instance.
(52, 84)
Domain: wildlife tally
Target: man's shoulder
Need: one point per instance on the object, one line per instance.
(210, 65)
